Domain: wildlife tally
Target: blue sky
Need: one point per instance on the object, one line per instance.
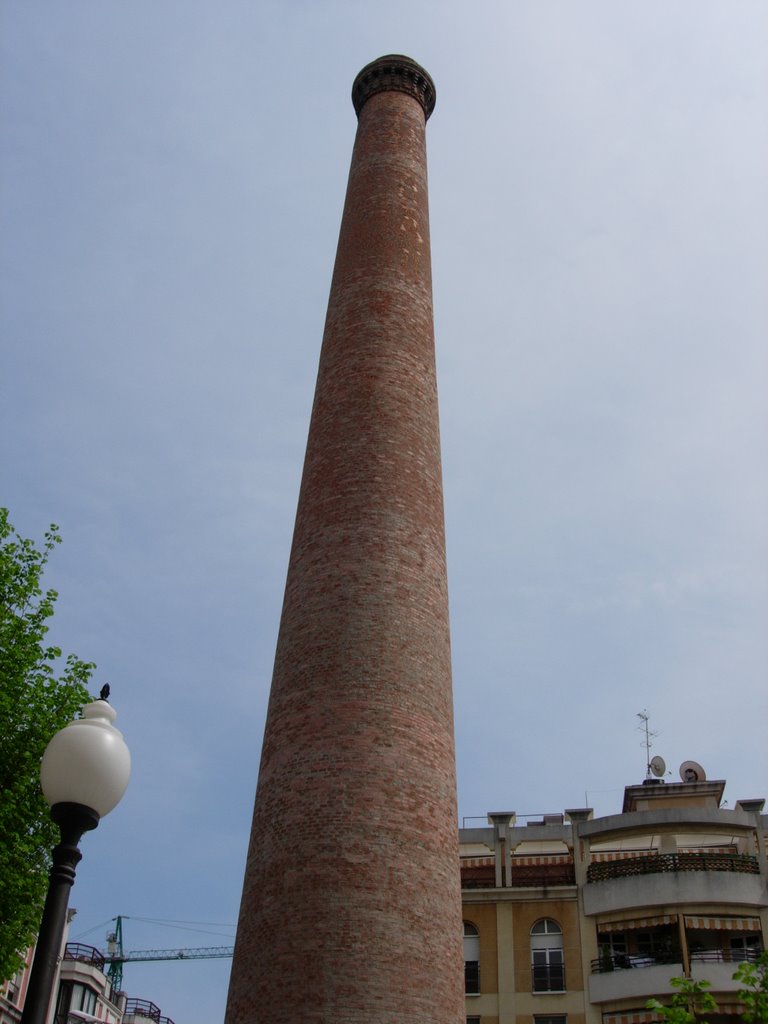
(171, 183)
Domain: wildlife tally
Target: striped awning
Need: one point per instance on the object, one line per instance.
(648, 1016)
(636, 922)
(630, 1017)
(724, 924)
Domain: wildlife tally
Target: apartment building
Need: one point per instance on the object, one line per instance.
(84, 993)
(572, 919)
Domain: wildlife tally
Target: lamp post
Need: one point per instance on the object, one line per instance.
(84, 773)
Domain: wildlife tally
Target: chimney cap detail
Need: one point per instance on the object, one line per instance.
(394, 73)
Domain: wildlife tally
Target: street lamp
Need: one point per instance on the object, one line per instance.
(84, 773)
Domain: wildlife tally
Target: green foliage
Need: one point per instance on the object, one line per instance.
(687, 1004)
(754, 976)
(38, 696)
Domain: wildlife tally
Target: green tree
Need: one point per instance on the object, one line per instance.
(686, 1006)
(754, 975)
(38, 696)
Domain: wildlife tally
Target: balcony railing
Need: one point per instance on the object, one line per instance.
(84, 954)
(539, 875)
(471, 977)
(728, 956)
(145, 1010)
(602, 871)
(624, 961)
(548, 977)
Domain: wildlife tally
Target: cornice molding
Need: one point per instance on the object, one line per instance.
(394, 73)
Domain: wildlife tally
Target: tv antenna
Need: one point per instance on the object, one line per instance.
(650, 769)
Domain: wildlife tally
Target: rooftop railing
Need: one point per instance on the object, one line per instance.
(84, 954)
(144, 1009)
(524, 875)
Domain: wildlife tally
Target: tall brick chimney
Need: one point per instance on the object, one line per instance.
(351, 903)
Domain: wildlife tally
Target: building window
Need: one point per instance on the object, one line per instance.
(547, 964)
(656, 945)
(13, 987)
(471, 959)
(473, 1020)
(613, 951)
(74, 996)
(552, 1018)
(83, 998)
(746, 947)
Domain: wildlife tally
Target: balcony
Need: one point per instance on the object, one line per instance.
(139, 1011)
(672, 878)
(717, 966)
(84, 954)
(601, 871)
(86, 964)
(629, 976)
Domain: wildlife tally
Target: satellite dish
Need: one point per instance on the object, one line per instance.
(691, 771)
(658, 766)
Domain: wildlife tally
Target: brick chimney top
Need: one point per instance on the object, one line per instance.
(394, 73)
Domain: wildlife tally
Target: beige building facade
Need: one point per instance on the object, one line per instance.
(573, 919)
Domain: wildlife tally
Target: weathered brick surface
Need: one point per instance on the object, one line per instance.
(351, 904)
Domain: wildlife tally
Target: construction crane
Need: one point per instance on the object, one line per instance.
(115, 957)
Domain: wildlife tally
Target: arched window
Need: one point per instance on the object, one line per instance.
(547, 965)
(471, 959)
